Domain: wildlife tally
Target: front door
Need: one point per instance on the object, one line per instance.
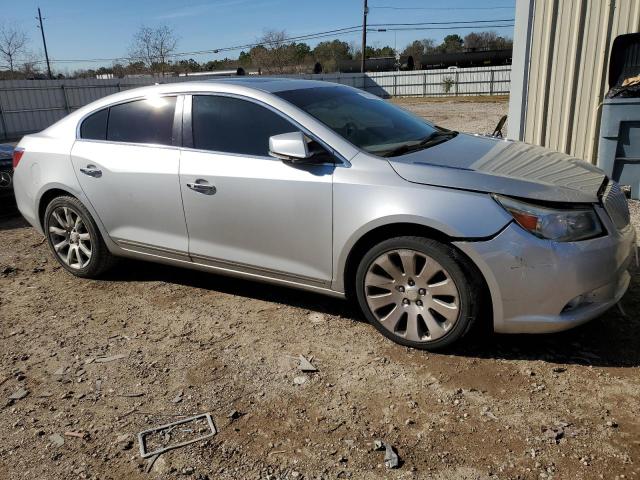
(128, 167)
(246, 210)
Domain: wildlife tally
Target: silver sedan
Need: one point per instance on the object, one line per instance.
(330, 189)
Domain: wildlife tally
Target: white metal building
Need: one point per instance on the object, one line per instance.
(560, 68)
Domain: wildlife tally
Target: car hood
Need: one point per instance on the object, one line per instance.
(490, 165)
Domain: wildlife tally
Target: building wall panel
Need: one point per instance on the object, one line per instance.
(568, 48)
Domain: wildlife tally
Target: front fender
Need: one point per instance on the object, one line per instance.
(457, 214)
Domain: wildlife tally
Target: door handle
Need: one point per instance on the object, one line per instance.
(202, 186)
(92, 171)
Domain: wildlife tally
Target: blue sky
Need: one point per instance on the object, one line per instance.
(103, 29)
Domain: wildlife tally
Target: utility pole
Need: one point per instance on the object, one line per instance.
(44, 42)
(364, 37)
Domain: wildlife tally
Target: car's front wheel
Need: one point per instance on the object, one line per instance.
(418, 292)
(74, 238)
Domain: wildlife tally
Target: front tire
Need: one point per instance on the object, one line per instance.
(74, 238)
(418, 292)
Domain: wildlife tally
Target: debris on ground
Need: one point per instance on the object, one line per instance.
(124, 441)
(391, 459)
(111, 359)
(56, 440)
(19, 394)
(178, 397)
(164, 431)
(306, 365)
(486, 412)
(316, 317)
(7, 270)
(300, 380)
(75, 434)
(234, 415)
(132, 395)
(554, 434)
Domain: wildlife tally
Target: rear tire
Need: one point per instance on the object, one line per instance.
(418, 292)
(74, 238)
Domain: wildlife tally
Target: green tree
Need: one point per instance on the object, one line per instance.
(244, 59)
(451, 43)
(478, 41)
(301, 51)
(331, 53)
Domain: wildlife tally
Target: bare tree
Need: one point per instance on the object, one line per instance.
(13, 43)
(29, 65)
(154, 46)
(278, 55)
(274, 53)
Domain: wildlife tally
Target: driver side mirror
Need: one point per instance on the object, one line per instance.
(293, 147)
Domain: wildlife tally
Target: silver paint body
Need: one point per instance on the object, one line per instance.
(296, 224)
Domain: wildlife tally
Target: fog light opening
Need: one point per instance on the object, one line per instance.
(574, 303)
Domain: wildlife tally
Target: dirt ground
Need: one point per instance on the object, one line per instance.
(467, 114)
(91, 363)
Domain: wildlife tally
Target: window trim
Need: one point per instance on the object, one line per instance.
(176, 131)
(187, 129)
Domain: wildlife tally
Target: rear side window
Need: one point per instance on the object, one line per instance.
(94, 126)
(232, 125)
(142, 121)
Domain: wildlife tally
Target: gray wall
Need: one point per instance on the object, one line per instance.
(28, 106)
(560, 67)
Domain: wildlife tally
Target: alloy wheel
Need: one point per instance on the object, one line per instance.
(412, 295)
(70, 237)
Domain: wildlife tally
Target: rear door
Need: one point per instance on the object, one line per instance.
(246, 210)
(127, 161)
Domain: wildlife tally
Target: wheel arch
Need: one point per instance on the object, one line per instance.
(401, 229)
(56, 190)
(47, 197)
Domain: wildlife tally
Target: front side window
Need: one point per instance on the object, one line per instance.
(365, 120)
(142, 121)
(233, 125)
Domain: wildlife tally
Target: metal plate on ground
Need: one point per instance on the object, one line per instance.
(169, 426)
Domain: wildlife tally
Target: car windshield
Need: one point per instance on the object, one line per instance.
(367, 121)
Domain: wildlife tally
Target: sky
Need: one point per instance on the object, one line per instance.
(89, 29)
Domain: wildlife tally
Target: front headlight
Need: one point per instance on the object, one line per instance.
(560, 225)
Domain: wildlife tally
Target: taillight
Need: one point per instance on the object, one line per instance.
(17, 156)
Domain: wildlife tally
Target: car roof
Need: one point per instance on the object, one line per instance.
(270, 84)
(263, 84)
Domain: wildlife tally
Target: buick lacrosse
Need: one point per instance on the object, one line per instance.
(331, 189)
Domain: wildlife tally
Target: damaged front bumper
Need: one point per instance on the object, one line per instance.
(540, 286)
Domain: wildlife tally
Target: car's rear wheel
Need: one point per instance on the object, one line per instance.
(74, 238)
(418, 292)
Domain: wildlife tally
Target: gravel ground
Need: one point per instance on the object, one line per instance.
(466, 114)
(91, 363)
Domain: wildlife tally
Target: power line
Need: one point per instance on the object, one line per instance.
(388, 7)
(442, 23)
(311, 36)
(399, 29)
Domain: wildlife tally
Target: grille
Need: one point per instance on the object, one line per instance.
(615, 203)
